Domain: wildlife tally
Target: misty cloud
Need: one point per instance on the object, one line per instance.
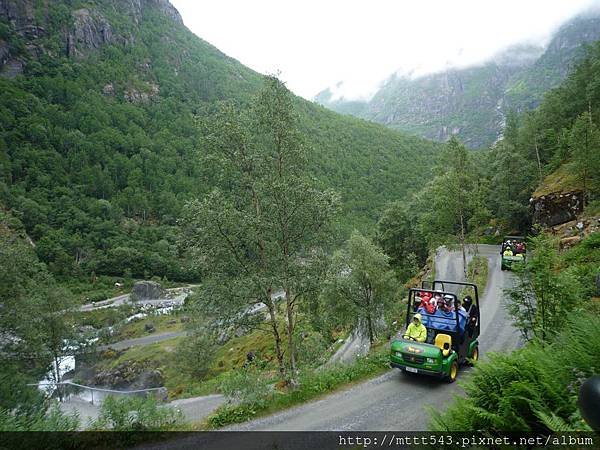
(353, 46)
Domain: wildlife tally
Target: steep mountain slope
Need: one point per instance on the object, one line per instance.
(99, 147)
(473, 102)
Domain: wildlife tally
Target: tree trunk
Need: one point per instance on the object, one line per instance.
(462, 244)
(57, 377)
(539, 162)
(277, 337)
(290, 335)
(370, 327)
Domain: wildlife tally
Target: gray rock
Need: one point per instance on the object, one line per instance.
(4, 53)
(90, 32)
(147, 290)
(12, 68)
(579, 226)
(555, 209)
(223, 337)
(149, 328)
(86, 329)
(108, 90)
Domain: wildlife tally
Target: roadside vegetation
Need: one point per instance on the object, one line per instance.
(535, 388)
(252, 397)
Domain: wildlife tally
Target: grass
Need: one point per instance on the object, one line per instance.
(313, 384)
(135, 329)
(477, 273)
(560, 181)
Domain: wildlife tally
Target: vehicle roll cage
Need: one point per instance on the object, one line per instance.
(434, 289)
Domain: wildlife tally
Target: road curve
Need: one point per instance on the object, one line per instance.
(395, 401)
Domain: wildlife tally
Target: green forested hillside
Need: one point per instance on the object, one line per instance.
(100, 143)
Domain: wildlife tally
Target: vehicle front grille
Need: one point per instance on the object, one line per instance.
(409, 357)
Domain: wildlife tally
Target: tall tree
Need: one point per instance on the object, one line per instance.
(264, 228)
(361, 282)
(400, 238)
(446, 203)
(584, 144)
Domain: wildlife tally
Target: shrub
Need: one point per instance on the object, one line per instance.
(311, 384)
(136, 414)
(196, 353)
(51, 420)
(247, 387)
(534, 389)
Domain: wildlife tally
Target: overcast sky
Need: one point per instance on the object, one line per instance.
(316, 44)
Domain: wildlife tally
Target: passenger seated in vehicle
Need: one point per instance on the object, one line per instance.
(443, 320)
(508, 252)
(416, 331)
(520, 248)
(447, 306)
(436, 300)
(463, 318)
(472, 314)
(418, 303)
(427, 304)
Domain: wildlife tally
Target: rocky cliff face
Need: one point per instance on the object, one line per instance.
(87, 31)
(472, 103)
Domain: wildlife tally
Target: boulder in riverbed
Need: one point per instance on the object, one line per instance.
(147, 290)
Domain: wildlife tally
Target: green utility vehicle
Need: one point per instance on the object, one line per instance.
(452, 331)
(513, 251)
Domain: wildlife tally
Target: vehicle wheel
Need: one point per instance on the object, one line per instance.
(475, 356)
(453, 372)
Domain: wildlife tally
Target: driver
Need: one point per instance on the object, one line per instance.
(416, 331)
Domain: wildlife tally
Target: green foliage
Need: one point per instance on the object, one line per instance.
(360, 285)
(545, 293)
(41, 420)
(534, 389)
(400, 238)
(265, 227)
(246, 386)
(560, 133)
(584, 144)
(311, 385)
(99, 174)
(135, 414)
(196, 353)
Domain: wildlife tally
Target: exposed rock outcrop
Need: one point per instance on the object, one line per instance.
(90, 31)
(90, 28)
(133, 95)
(147, 290)
(19, 13)
(554, 209)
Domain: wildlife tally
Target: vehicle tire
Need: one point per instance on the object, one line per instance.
(453, 372)
(474, 356)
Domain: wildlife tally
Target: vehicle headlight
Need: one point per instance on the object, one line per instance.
(431, 361)
(399, 354)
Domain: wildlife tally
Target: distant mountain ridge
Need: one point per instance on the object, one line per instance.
(472, 102)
